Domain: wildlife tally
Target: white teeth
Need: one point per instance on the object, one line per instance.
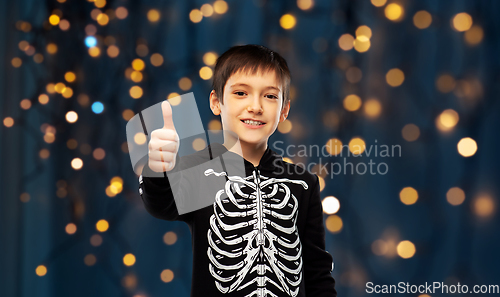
(255, 123)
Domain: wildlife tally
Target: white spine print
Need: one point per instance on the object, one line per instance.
(253, 239)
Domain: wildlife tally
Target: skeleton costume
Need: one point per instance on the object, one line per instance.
(263, 234)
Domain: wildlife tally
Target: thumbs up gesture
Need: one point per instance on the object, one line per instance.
(164, 143)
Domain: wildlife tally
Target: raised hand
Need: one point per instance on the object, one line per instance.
(164, 143)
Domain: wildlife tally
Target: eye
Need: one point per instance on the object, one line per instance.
(240, 93)
(271, 96)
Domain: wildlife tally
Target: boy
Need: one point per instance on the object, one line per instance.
(263, 235)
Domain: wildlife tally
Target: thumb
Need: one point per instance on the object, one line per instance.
(166, 109)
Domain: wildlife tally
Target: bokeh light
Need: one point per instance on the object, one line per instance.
(394, 12)
(462, 22)
(406, 249)
(467, 147)
(357, 146)
(455, 196)
(330, 205)
(408, 195)
(288, 21)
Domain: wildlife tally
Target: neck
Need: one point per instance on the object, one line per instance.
(251, 152)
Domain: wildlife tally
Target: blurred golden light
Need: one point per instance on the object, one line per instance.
(44, 153)
(305, 4)
(474, 35)
(484, 206)
(455, 196)
(380, 247)
(136, 92)
(410, 132)
(185, 84)
(220, 6)
(54, 20)
(214, 125)
(51, 48)
(102, 225)
(16, 62)
(207, 10)
(121, 12)
(70, 228)
(445, 83)
(334, 224)
(41, 270)
(170, 238)
(352, 102)
(174, 99)
(357, 145)
(71, 116)
(209, 58)
(346, 42)
(38, 58)
(59, 87)
(49, 137)
(102, 19)
(288, 21)
(23, 45)
(199, 144)
(406, 249)
(129, 259)
(136, 76)
(153, 15)
(111, 191)
(467, 147)
(83, 100)
(288, 160)
(25, 104)
(321, 183)
(330, 205)
(8, 122)
(353, 75)
(64, 25)
(138, 64)
(94, 51)
(285, 126)
(378, 3)
(167, 275)
(394, 12)
(447, 120)
(206, 72)
(334, 146)
(196, 15)
(142, 50)
(140, 138)
(408, 195)
(362, 44)
(99, 154)
(99, 3)
(89, 260)
(96, 240)
(129, 281)
(364, 31)
(30, 50)
(395, 77)
(113, 51)
(462, 22)
(24, 197)
(77, 163)
(69, 76)
(43, 99)
(422, 19)
(127, 114)
(50, 88)
(372, 108)
(156, 60)
(67, 92)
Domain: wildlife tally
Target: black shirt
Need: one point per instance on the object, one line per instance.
(263, 235)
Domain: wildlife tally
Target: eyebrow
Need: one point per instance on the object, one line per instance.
(245, 85)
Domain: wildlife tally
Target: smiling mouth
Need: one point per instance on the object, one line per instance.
(253, 123)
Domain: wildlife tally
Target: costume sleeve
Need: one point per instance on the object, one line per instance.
(156, 193)
(318, 263)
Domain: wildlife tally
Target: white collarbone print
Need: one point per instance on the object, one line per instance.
(253, 239)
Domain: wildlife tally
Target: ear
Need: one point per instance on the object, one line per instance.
(214, 103)
(284, 112)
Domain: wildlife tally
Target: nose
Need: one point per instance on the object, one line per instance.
(255, 105)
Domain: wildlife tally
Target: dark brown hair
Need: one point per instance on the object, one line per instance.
(250, 58)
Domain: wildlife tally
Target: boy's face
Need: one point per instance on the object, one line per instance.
(254, 97)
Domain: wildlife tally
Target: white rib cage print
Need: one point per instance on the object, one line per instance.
(253, 239)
